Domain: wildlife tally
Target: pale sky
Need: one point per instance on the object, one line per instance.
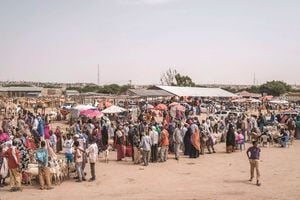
(212, 41)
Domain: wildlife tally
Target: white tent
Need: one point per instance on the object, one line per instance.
(113, 109)
(278, 101)
(83, 107)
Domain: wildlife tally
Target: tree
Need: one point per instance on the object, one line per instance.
(168, 78)
(173, 78)
(275, 88)
(184, 81)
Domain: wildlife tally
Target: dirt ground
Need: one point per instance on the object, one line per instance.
(218, 176)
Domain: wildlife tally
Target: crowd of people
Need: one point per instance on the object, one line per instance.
(30, 138)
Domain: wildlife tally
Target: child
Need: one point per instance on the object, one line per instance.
(240, 140)
(53, 141)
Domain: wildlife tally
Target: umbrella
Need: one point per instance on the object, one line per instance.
(253, 100)
(113, 109)
(148, 107)
(174, 104)
(91, 113)
(161, 107)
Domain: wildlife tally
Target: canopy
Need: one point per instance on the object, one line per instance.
(161, 107)
(91, 113)
(113, 109)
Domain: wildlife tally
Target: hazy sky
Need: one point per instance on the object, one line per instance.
(212, 41)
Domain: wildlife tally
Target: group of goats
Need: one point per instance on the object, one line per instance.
(59, 171)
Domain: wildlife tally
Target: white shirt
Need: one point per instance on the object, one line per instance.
(68, 145)
(154, 137)
(92, 151)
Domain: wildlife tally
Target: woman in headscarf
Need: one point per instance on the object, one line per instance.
(58, 134)
(230, 139)
(187, 140)
(195, 140)
(24, 157)
(119, 143)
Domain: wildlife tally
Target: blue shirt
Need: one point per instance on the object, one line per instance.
(254, 153)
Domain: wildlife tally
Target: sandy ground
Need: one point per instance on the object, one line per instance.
(219, 176)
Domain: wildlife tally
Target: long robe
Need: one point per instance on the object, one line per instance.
(187, 142)
(195, 147)
(230, 138)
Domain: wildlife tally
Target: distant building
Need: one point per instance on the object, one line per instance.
(52, 92)
(72, 93)
(20, 91)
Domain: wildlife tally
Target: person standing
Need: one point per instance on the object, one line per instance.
(92, 152)
(177, 138)
(78, 161)
(195, 140)
(253, 154)
(44, 173)
(53, 141)
(136, 150)
(146, 144)
(230, 139)
(119, 143)
(154, 139)
(13, 159)
(164, 140)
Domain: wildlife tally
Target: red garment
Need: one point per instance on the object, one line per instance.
(29, 144)
(164, 138)
(120, 152)
(12, 162)
(47, 130)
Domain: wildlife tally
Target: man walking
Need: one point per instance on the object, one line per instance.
(254, 162)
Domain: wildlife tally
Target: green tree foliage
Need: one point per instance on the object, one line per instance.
(275, 88)
(173, 78)
(254, 89)
(184, 81)
(106, 89)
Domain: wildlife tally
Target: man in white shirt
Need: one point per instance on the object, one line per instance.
(154, 148)
(92, 152)
(68, 146)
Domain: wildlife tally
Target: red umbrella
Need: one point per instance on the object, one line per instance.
(91, 113)
(161, 107)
